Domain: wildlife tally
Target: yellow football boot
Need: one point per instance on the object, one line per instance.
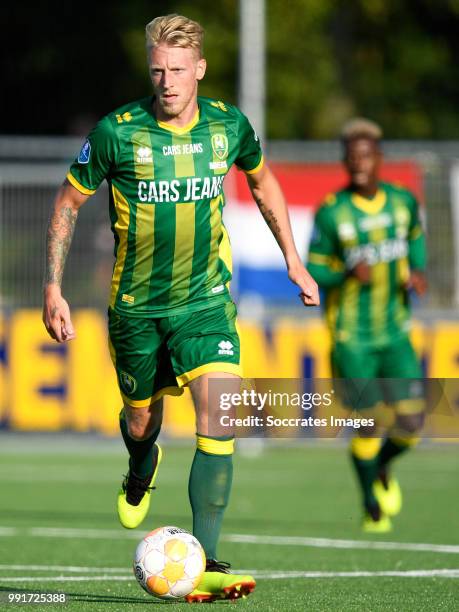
(390, 498)
(382, 525)
(217, 583)
(134, 495)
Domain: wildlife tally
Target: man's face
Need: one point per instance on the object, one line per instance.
(175, 73)
(362, 160)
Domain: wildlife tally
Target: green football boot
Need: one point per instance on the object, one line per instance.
(389, 495)
(134, 495)
(217, 583)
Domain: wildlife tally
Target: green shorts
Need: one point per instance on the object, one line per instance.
(158, 356)
(365, 369)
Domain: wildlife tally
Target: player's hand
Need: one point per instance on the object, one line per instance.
(309, 295)
(362, 272)
(56, 315)
(418, 282)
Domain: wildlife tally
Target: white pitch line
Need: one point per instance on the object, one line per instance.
(8, 531)
(435, 573)
(332, 543)
(262, 574)
(92, 534)
(62, 568)
(137, 534)
(108, 578)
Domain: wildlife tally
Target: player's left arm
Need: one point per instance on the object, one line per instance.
(417, 252)
(270, 200)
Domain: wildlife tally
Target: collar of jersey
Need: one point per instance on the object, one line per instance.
(371, 206)
(179, 130)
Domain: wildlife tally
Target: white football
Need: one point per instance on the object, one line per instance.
(169, 563)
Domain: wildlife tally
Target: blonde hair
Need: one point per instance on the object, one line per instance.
(361, 128)
(176, 31)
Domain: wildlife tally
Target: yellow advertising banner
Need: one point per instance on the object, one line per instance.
(48, 386)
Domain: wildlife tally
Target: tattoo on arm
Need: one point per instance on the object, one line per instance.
(59, 236)
(269, 217)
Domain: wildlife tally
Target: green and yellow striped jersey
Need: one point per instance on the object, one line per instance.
(166, 202)
(386, 233)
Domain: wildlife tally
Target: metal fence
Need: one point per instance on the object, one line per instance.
(32, 168)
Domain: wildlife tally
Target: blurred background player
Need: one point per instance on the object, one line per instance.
(367, 252)
(171, 317)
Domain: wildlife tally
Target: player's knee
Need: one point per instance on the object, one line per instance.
(407, 425)
(143, 422)
(138, 431)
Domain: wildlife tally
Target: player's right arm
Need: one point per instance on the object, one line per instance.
(56, 312)
(324, 262)
(93, 164)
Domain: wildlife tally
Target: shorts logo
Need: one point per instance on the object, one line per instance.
(128, 383)
(144, 155)
(219, 144)
(85, 153)
(225, 348)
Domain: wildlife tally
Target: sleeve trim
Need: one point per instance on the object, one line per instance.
(332, 262)
(319, 259)
(79, 186)
(257, 168)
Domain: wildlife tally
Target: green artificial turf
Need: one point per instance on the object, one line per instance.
(58, 520)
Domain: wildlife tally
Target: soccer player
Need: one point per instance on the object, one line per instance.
(367, 252)
(171, 316)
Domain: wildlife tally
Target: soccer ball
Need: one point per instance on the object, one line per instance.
(169, 563)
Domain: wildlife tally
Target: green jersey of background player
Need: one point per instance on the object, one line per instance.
(171, 318)
(367, 251)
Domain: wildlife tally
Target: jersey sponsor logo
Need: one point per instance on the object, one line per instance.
(124, 117)
(346, 231)
(219, 165)
(219, 144)
(374, 253)
(219, 104)
(225, 347)
(85, 153)
(144, 155)
(367, 224)
(191, 190)
(188, 148)
(218, 289)
(128, 383)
